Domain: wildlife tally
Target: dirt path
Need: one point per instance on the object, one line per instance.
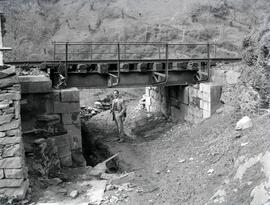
(174, 163)
(169, 160)
(181, 164)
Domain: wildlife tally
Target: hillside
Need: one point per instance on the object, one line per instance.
(33, 24)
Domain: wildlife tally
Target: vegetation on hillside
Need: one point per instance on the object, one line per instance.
(33, 24)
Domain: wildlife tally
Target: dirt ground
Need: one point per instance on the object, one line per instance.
(180, 163)
(173, 163)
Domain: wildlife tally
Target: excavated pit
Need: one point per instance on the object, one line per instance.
(95, 151)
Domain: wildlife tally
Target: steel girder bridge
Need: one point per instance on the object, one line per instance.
(122, 64)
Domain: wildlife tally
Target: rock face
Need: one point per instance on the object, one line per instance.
(244, 123)
(13, 173)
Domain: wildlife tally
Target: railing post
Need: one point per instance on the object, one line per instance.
(159, 56)
(167, 60)
(66, 61)
(91, 53)
(208, 60)
(215, 50)
(118, 61)
(1, 42)
(54, 50)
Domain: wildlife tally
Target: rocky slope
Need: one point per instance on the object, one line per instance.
(33, 24)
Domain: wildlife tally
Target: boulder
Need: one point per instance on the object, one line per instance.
(244, 123)
(232, 77)
(74, 194)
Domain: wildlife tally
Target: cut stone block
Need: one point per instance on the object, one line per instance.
(10, 96)
(15, 133)
(10, 140)
(6, 118)
(7, 72)
(71, 118)
(65, 107)
(63, 145)
(9, 110)
(9, 81)
(17, 193)
(15, 87)
(17, 107)
(12, 150)
(10, 126)
(205, 87)
(76, 136)
(4, 106)
(56, 95)
(206, 113)
(35, 84)
(2, 173)
(70, 95)
(2, 134)
(11, 163)
(5, 183)
(77, 158)
(48, 118)
(13, 173)
(205, 105)
(206, 96)
(185, 95)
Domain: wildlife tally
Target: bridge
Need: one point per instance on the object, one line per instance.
(123, 64)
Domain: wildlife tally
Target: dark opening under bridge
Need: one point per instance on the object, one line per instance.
(99, 64)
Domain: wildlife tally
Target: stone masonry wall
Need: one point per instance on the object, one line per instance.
(204, 100)
(13, 172)
(155, 99)
(67, 104)
(190, 103)
(57, 112)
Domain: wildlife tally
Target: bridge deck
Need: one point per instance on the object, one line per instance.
(132, 73)
(124, 66)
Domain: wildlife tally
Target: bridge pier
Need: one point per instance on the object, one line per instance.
(192, 103)
(57, 112)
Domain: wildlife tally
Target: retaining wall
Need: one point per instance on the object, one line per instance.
(13, 172)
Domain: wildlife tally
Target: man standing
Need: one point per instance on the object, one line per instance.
(119, 114)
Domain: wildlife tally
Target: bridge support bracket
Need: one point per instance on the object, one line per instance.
(113, 80)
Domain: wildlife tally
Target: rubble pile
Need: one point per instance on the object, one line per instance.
(43, 160)
(99, 106)
(27, 70)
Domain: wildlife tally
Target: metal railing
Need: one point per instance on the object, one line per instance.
(162, 49)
